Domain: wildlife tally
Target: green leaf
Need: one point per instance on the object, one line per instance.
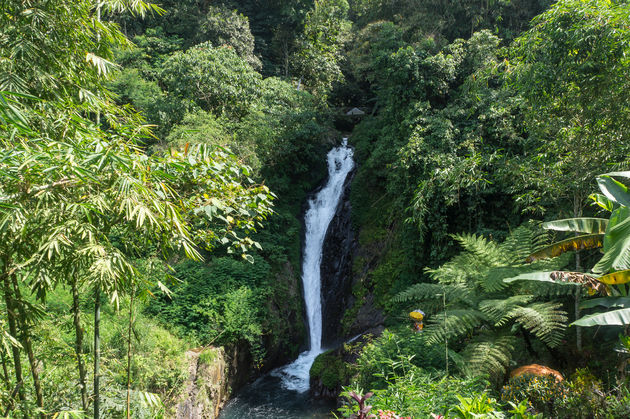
(579, 225)
(608, 302)
(609, 318)
(588, 241)
(618, 174)
(616, 243)
(602, 201)
(616, 278)
(614, 190)
(538, 276)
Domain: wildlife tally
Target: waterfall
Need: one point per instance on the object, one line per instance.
(320, 213)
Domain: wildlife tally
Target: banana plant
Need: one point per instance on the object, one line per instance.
(612, 235)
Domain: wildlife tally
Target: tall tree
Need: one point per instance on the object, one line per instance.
(69, 184)
(573, 69)
(317, 59)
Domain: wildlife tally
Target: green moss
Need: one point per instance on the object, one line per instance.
(208, 356)
(330, 369)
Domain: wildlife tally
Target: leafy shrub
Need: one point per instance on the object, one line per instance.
(394, 354)
(618, 406)
(543, 393)
(584, 396)
(479, 405)
(419, 394)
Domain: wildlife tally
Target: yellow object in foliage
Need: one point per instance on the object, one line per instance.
(417, 316)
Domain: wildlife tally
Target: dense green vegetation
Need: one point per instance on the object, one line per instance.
(154, 162)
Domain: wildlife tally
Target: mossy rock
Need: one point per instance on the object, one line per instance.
(330, 369)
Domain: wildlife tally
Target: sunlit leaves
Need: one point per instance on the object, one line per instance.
(616, 242)
(589, 241)
(609, 318)
(615, 278)
(578, 225)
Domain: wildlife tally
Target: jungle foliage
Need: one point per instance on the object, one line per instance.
(139, 167)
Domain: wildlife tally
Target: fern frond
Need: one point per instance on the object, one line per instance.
(492, 281)
(487, 252)
(430, 292)
(544, 320)
(524, 241)
(490, 355)
(455, 323)
(498, 310)
(550, 289)
(459, 270)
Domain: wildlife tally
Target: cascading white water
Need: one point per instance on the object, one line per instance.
(320, 213)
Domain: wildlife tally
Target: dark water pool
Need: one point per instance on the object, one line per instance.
(266, 398)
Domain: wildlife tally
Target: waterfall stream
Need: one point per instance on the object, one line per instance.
(322, 208)
(295, 376)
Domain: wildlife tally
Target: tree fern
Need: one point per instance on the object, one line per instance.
(489, 354)
(486, 251)
(499, 309)
(523, 241)
(482, 307)
(453, 323)
(550, 289)
(430, 292)
(544, 320)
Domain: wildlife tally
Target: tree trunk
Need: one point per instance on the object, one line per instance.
(129, 354)
(26, 342)
(78, 344)
(97, 351)
(577, 212)
(17, 363)
(5, 372)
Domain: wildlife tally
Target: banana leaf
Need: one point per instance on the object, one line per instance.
(602, 201)
(615, 278)
(544, 276)
(579, 225)
(616, 243)
(587, 241)
(608, 302)
(562, 278)
(610, 318)
(614, 190)
(617, 174)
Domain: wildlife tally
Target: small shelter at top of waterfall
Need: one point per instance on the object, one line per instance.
(355, 112)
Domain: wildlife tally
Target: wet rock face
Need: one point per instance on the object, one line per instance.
(336, 268)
